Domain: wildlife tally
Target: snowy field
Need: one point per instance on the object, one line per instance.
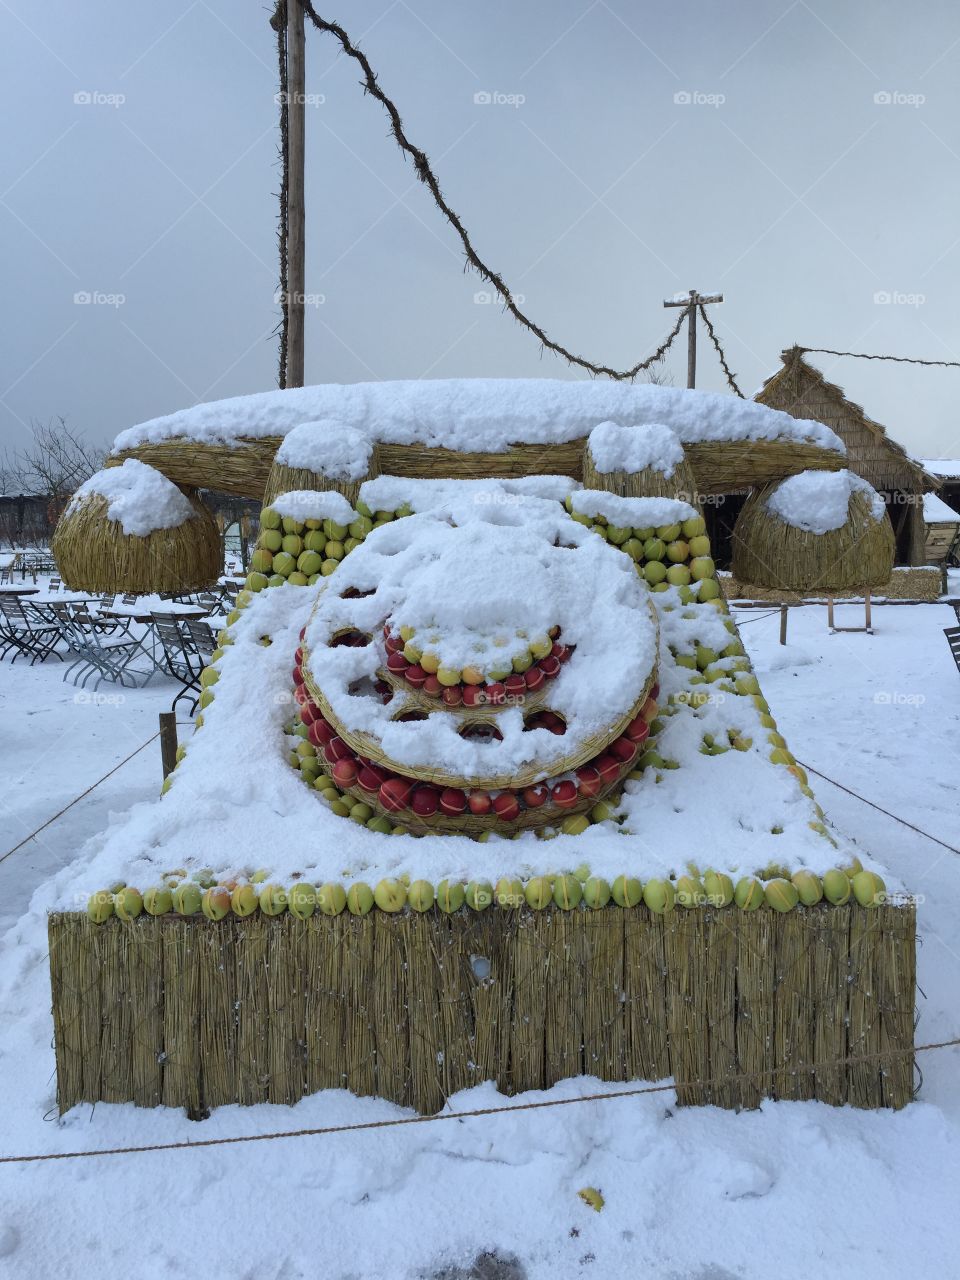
(792, 1190)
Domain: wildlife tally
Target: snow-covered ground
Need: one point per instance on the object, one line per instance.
(795, 1189)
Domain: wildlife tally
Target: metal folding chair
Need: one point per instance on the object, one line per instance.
(26, 630)
(953, 639)
(111, 657)
(181, 659)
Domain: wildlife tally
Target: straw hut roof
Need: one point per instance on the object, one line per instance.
(802, 391)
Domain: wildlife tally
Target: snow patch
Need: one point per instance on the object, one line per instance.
(819, 501)
(328, 447)
(637, 448)
(139, 498)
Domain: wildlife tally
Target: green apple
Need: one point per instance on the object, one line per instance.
(269, 519)
(654, 549)
(654, 571)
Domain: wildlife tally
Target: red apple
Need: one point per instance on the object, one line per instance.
(396, 663)
(395, 794)
(393, 644)
(564, 795)
(452, 801)
(415, 675)
(534, 678)
(303, 632)
(655, 691)
(308, 712)
(637, 730)
(515, 687)
(550, 666)
(479, 802)
(370, 778)
(506, 806)
(338, 749)
(297, 675)
(432, 687)
(534, 797)
(623, 749)
(556, 724)
(324, 732)
(425, 801)
(589, 782)
(608, 767)
(495, 694)
(298, 657)
(345, 773)
(452, 695)
(648, 711)
(472, 695)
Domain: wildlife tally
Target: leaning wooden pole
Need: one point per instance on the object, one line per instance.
(296, 89)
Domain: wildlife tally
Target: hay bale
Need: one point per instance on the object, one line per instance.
(323, 455)
(770, 550)
(132, 529)
(645, 461)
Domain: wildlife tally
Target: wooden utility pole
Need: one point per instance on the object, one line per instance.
(691, 303)
(296, 276)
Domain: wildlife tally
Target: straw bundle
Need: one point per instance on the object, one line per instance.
(648, 483)
(94, 554)
(287, 479)
(397, 1005)
(420, 461)
(241, 468)
(769, 552)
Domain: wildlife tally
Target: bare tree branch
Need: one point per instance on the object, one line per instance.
(56, 463)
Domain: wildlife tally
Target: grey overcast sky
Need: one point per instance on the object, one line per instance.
(802, 157)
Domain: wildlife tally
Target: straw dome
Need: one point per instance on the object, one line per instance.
(644, 461)
(322, 455)
(815, 531)
(131, 529)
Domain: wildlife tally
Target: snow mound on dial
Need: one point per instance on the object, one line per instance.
(467, 582)
(648, 445)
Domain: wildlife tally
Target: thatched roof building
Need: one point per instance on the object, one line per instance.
(802, 391)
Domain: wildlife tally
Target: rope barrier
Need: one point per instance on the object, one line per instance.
(723, 359)
(860, 355)
(80, 797)
(327, 1130)
(903, 822)
(426, 175)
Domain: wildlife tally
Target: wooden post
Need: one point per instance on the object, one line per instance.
(168, 741)
(830, 612)
(866, 606)
(296, 89)
(692, 302)
(783, 623)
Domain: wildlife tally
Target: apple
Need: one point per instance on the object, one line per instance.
(522, 662)
(655, 571)
(701, 567)
(412, 652)
(534, 679)
(637, 730)
(515, 687)
(393, 644)
(472, 695)
(479, 802)
(261, 561)
(634, 548)
(622, 749)
(430, 663)
(370, 778)
(649, 709)
(699, 546)
(324, 731)
(396, 663)
(425, 800)
(432, 687)
(452, 696)
(678, 575)
(534, 797)
(506, 806)
(677, 551)
(556, 724)
(564, 794)
(540, 646)
(452, 801)
(345, 773)
(550, 666)
(495, 694)
(608, 767)
(337, 749)
(589, 782)
(654, 549)
(448, 675)
(471, 675)
(415, 676)
(394, 794)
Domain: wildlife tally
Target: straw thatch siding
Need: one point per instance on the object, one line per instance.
(917, 582)
(284, 479)
(198, 1014)
(94, 554)
(648, 483)
(771, 553)
(801, 390)
(244, 469)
